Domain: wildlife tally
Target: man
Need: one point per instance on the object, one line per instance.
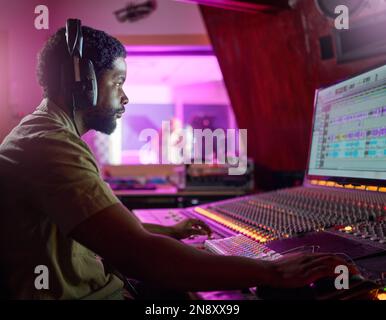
(56, 210)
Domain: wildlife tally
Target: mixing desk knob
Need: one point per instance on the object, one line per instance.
(365, 233)
(381, 231)
(374, 236)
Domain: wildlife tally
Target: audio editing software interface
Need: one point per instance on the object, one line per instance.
(349, 133)
(348, 141)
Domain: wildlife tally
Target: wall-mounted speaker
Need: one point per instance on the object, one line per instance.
(327, 7)
(364, 39)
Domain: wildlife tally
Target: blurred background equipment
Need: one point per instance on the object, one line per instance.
(327, 7)
(175, 186)
(217, 177)
(144, 177)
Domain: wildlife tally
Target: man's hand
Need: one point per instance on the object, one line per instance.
(298, 270)
(190, 227)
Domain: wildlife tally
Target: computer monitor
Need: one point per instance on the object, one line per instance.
(349, 130)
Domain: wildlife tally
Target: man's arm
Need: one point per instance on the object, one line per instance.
(158, 229)
(117, 236)
(181, 230)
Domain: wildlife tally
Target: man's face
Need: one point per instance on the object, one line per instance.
(111, 99)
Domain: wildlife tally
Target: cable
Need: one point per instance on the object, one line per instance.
(345, 255)
(73, 118)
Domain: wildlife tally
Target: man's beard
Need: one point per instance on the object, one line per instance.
(105, 123)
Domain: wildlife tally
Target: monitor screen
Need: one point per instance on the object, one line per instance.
(349, 131)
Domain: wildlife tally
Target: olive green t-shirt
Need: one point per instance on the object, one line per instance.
(49, 184)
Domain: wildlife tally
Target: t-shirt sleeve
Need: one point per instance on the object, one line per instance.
(66, 182)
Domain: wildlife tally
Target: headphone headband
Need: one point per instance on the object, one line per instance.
(74, 37)
(81, 76)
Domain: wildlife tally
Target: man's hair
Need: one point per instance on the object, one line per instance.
(101, 48)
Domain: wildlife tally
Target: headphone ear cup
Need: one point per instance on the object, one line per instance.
(90, 84)
(85, 92)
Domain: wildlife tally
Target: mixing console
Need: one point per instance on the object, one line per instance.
(291, 212)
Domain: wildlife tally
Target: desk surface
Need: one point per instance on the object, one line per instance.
(173, 191)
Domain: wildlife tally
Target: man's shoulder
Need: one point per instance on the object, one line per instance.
(33, 133)
(48, 120)
(41, 124)
(33, 145)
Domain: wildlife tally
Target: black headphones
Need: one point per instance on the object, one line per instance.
(78, 73)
